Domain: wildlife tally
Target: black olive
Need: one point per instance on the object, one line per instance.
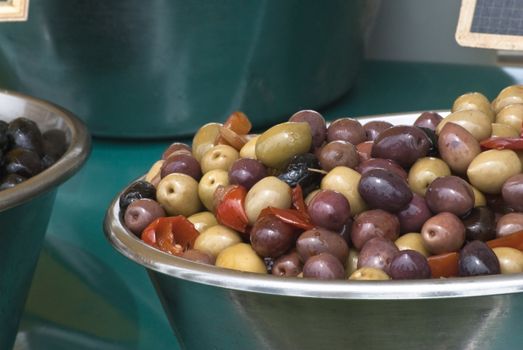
(24, 162)
(55, 145)
(303, 170)
(480, 224)
(138, 190)
(431, 134)
(4, 141)
(11, 180)
(24, 133)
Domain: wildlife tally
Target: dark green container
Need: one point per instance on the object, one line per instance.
(159, 68)
(25, 209)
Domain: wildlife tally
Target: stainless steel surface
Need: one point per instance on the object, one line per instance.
(212, 307)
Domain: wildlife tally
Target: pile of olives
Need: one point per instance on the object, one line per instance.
(381, 201)
(25, 151)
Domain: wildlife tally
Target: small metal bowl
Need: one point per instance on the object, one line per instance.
(26, 208)
(214, 308)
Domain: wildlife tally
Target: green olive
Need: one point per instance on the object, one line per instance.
(369, 274)
(268, 192)
(351, 263)
(205, 139)
(490, 169)
(510, 259)
(203, 220)
(413, 241)
(479, 198)
(424, 171)
(215, 239)
(345, 181)
(153, 176)
(276, 146)
(503, 130)
(208, 185)
(510, 95)
(473, 100)
(511, 115)
(178, 194)
(218, 157)
(475, 122)
(241, 257)
(249, 149)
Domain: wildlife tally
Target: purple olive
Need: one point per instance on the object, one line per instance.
(383, 189)
(409, 264)
(330, 210)
(414, 215)
(476, 259)
(323, 266)
(377, 252)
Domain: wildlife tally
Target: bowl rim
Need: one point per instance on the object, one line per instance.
(151, 258)
(74, 157)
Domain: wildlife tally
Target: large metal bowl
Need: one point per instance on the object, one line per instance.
(214, 308)
(25, 209)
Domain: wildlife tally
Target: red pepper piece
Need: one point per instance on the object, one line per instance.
(173, 234)
(513, 143)
(297, 201)
(230, 210)
(289, 216)
(514, 240)
(444, 265)
(239, 123)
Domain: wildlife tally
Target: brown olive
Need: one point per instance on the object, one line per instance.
(271, 237)
(403, 144)
(288, 265)
(457, 147)
(429, 120)
(199, 256)
(140, 213)
(450, 194)
(509, 223)
(176, 148)
(443, 233)
(377, 253)
(318, 240)
(364, 150)
(346, 129)
(323, 266)
(374, 128)
(338, 153)
(512, 192)
(374, 223)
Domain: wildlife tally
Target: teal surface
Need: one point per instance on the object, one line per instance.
(161, 68)
(85, 295)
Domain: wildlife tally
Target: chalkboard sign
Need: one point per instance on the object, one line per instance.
(13, 10)
(493, 24)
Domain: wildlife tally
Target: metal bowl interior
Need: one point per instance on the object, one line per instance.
(133, 248)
